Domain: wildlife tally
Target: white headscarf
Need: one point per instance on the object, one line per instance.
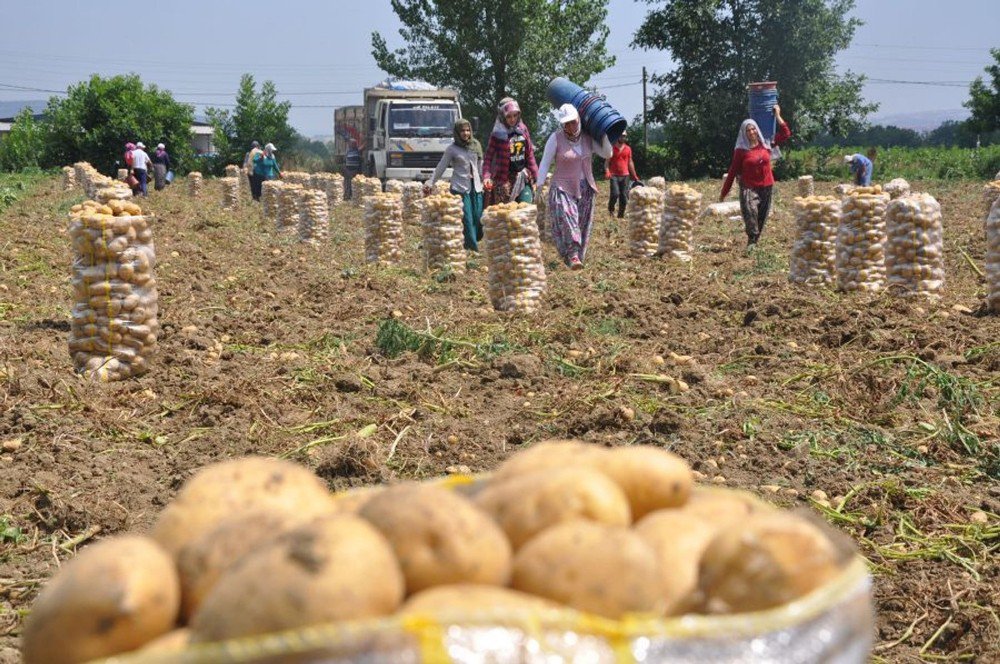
(742, 142)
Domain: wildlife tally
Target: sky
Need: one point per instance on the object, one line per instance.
(318, 52)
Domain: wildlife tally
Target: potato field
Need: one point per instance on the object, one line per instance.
(875, 412)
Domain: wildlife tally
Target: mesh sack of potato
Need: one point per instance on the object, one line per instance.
(113, 327)
(289, 196)
(115, 191)
(394, 186)
(861, 240)
(442, 188)
(364, 187)
(314, 216)
(814, 254)
(383, 228)
(331, 184)
(81, 171)
(412, 197)
(542, 216)
(516, 273)
(993, 257)
(681, 207)
(658, 182)
(805, 185)
(443, 237)
(195, 181)
(991, 191)
(843, 189)
(234, 171)
(69, 178)
(122, 173)
(270, 193)
(645, 211)
(896, 187)
(914, 255)
(301, 178)
(230, 192)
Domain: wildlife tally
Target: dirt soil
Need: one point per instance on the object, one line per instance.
(888, 407)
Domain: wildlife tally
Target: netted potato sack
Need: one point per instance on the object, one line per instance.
(991, 191)
(364, 186)
(861, 240)
(645, 211)
(383, 228)
(69, 178)
(993, 257)
(914, 256)
(194, 184)
(122, 173)
(230, 193)
(843, 189)
(541, 201)
(443, 188)
(331, 184)
(658, 182)
(805, 186)
(443, 239)
(288, 206)
(234, 171)
(270, 193)
(412, 197)
(514, 257)
(896, 187)
(314, 216)
(394, 186)
(681, 208)
(814, 253)
(114, 325)
(304, 180)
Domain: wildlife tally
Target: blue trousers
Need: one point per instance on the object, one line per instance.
(472, 215)
(142, 175)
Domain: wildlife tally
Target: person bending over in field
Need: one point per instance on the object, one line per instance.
(861, 167)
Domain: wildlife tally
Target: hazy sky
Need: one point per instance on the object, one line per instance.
(319, 53)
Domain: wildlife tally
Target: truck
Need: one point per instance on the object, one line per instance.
(401, 129)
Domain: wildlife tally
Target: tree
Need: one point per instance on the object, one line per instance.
(98, 116)
(24, 146)
(258, 116)
(490, 50)
(719, 46)
(984, 100)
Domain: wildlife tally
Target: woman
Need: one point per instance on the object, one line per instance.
(752, 164)
(161, 164)
(571, 194)
(509, 167)
(265, 167)
(465, 156)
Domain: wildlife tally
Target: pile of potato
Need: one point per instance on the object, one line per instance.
(194, 179)
(645, 211)
(991, 191)
(289, 196)
(301, 178)
(658, 182)
(270, 199)
(113, 328)
(681, 208)
(394, 187)
(383, 227)
(814, 254)
(363, 187)
(993, 257)
(896, 187)
(513, 257)
(230, 192)
(861, 240)
(805, 186)
(257, 545)
(914, 257)
(443, 239)
(69, 178)
(314, 216)
(412, 197)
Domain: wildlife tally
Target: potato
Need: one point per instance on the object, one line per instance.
(203, 561)
(554, 453)
(335, 568)
(113, 597)
(219, 491)
(764, 561)
(527, 504)
(469, 598)
(721, 507)
(174, 641)
(601, 569)
(439, 537)
(650, 477)
(678, 539)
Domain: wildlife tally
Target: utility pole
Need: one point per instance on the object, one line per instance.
(645, 130)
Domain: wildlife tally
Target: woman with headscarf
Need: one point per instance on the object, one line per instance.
(752, 164)
(265, 167)
(129, 149)
(571, 194)
(465, 156)
(161, 164)
(509, 167)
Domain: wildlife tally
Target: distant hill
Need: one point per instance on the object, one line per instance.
(9, 109)
(920, 120)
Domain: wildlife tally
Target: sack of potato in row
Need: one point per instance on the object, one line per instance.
(194, 179)
(234, 171)
(861, 240)
(896, 188)
(114, 326)
(443, 238)
(331, 184)
(270, 200)
(69, 178)
(383, 228)
(394, 187)
(412, 198)
(805, 186)
(301, 178)
(362, 187)
(645, 212)
(314, 217)
(516, 273)
(814, 254)
(657, 182)
(991, 192)
(568, 552)
(289, 197)
(681, 207)
(230, 192)
(914, 256)
(993, 257)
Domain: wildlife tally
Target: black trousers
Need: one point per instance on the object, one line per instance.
(755, 204)
(619, 194)
(256, 184)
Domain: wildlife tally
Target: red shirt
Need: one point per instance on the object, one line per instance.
(754, 165)
(620, 157)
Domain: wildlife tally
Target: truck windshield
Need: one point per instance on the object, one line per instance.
(424, 120)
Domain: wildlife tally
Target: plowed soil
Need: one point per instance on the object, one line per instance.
(888, 407)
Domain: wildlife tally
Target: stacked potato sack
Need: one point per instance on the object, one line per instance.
(394, 186)
(443, 188)
(658, 182)
(194, 184)
(332, 185)
(82, 170)
(314, 216)
(230, 193)
(413, 202)
(116, 191)
(69, 178)
(814, 254)
(383, 228)
(443, 241)
(844, 189)
(514, 257)
(233, 171)
(364, 187)
(682, 205)
(114, 326)
(289, 196)
(993, 257)
(645, 211)
(806, 187)
(915, 253)
(991, 191)
(896, 187)
(301, 178)
(122, 173)
(861, 240)
(270, 191)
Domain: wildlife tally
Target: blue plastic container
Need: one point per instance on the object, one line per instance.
(763, 98)
(597, 116)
